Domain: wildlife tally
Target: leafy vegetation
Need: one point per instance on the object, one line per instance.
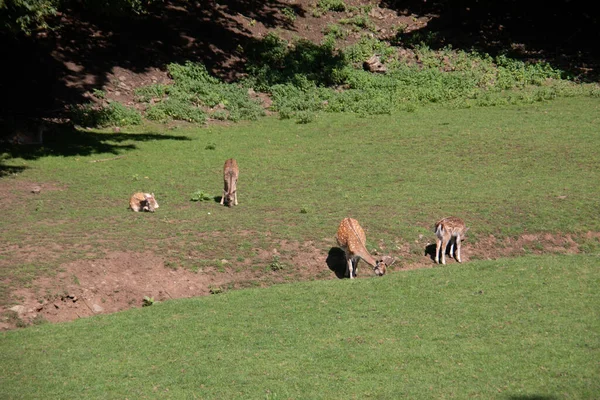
(195, 95)
(113, 114)
(511, 328)
(304, 79)
(26, 16)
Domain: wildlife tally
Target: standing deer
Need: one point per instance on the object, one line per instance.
(143, 202)
(450, 229)
(230, 177)
(351, 238)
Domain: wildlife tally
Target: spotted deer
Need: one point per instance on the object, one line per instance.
(449, 230)
(351, 238)
(143, 202)
(230, 177)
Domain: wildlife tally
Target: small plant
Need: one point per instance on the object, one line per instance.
(211, 146)
(289, 14)
(335, 31)
(101, 94)
(276, 265)
(147, 301)
(215, 290)
(359, 21)
(331, 5)
(200, 195)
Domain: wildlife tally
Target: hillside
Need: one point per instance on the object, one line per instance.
(85, 52)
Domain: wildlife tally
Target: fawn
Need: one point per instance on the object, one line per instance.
(450, 229)
(230, 177)
(351, 238)
(143, 202)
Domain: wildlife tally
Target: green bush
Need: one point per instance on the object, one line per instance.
(26, 15)
(114, 114)
(174, 108)
(196, 94)
(331, 5)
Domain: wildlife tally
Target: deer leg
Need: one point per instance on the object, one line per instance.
(235, 198)
(223, 197)
(444, 245)
(349, 268)
(438, 243)
(458, 248)
(452, 241)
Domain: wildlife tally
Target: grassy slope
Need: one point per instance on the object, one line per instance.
(505, 329)
(502, 169)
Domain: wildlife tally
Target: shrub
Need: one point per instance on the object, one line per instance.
(331, 5)
(115, 114)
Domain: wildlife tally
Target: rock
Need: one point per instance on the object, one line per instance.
(97, 309)
(374, 64)
(18, 309)
(36, 189)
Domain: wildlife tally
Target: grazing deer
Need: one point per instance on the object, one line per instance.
(143, 202)
(450, 229)
(351, 238)
(230, 177)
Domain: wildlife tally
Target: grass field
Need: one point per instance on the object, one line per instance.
(523, 328)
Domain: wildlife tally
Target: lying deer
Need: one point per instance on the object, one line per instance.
(230, 177)
(143, 202)
(351, 238)
(450, 229)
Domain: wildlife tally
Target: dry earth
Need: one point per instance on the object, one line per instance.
(121, 280)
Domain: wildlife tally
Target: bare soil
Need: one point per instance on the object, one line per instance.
(121, 280)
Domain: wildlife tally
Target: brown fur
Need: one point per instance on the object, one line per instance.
(230, 177)
(449, 230)
(352, 239)
(143, 202)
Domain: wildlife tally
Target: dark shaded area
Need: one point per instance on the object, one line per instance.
(430, 251)
(336, 261)
(65, 140)
(564, 33)
(532, 397)
(6, 170)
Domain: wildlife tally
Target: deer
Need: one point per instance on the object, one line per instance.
(230, 177)
(449, 230)
(351, 238)
(143, 202)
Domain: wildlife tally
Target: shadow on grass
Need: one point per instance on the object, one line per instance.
(6, 170)
(336, 261)
(67, 141)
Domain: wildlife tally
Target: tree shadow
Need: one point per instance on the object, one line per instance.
(6, 170)
(60, 67)
(68, 141)
(336, 261)
(531, 397)
(566, 36)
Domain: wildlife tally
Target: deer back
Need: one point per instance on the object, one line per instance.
(450, 226)
(351, 237)
(230, 175)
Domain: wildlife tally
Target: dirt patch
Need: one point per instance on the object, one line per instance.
(122, 280)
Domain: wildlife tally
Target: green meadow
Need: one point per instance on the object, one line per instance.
(507, 328)
(523, 328)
